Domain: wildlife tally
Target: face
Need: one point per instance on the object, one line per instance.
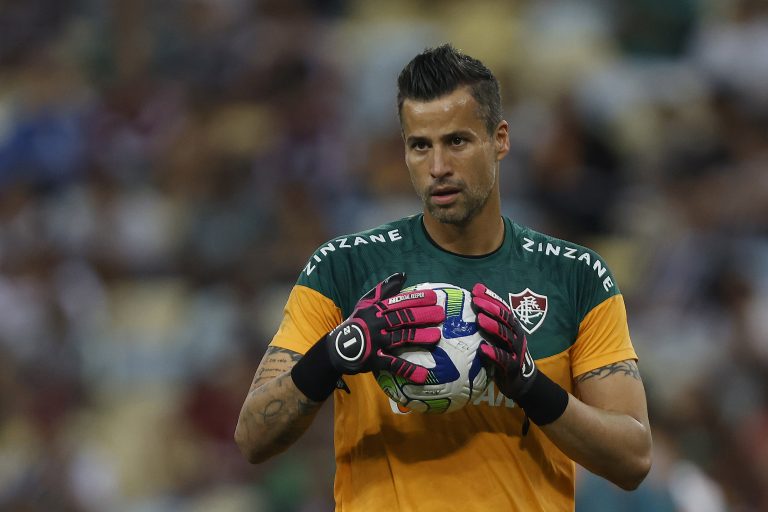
(451, 157)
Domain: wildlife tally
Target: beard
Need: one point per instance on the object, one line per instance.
(468, 204)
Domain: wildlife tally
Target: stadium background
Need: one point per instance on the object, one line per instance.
(166, 167)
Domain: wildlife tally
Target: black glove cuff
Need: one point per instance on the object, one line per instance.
(314, 374)
(545, 400)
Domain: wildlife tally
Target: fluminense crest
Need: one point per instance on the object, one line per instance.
(530, 309)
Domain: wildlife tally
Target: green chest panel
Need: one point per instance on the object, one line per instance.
(549, 283)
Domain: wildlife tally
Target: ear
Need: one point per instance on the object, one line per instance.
(501, 139)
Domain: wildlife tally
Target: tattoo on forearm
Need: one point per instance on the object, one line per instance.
(285, 416)
(275, 359)
(276, 408)
(271, 408)
(628, 368)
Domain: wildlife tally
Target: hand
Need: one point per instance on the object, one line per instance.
(505, 347)
(384, 319)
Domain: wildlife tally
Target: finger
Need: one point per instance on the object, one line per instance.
(486, 300)
(411, 371)
(425, 315)
(490, 307)
(487, 359)
(391, 285)
(482, 291)
(410, 299)
(496, 356)
(495, 328)
(388, 287)
(418, 337)
(487, 353)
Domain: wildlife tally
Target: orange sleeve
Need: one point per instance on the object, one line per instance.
(307, 316)
(603, 337)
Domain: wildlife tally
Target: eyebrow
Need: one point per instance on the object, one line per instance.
(466, 134)
(415, 138)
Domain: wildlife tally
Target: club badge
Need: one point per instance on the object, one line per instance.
(529, 308)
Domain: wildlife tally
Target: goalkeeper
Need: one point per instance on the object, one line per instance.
(566, 387)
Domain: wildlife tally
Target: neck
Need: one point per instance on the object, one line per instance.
(481, 235)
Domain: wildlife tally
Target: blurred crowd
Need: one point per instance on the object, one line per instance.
(167, 167)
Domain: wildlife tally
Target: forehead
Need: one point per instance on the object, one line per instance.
(457, 110)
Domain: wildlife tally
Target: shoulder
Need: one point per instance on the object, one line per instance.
(388, 237)
(336, 263)
(580, 272)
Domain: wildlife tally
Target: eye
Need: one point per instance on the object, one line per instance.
(457, 141)
(419, 145)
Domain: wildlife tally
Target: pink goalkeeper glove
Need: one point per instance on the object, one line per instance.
(383, 319)
(505, 351)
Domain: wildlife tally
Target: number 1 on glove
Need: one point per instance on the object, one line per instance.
(383, 319)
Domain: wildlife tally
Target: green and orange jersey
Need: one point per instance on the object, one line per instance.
(474, 459)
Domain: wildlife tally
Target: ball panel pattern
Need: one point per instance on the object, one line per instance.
(456, 375)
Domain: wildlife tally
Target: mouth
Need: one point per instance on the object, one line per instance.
(444, 195)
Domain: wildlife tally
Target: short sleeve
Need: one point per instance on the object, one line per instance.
(308, 315)
(603, 337)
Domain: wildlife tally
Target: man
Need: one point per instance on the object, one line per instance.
(566, 384)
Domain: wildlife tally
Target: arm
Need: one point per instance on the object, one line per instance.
(607, 429)
(289, 388)
(275, 413)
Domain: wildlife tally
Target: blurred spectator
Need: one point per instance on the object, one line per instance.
(167, 167)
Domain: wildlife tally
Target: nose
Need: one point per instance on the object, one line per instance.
(440, 165)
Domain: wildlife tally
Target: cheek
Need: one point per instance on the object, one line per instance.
(415, 168)
(410, 165)
(485, 170)
(489, 167)
(413, 175)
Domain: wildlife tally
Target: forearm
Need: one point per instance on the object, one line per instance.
(274, 415)
(613, 445)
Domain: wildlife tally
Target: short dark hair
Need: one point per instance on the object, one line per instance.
(439, 71)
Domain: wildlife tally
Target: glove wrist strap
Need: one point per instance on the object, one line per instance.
(545, 401)
(314, 374)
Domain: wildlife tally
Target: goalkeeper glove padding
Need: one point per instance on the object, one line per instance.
(505, 351)
(383, 319)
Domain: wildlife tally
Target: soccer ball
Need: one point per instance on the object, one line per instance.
(456, 374)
